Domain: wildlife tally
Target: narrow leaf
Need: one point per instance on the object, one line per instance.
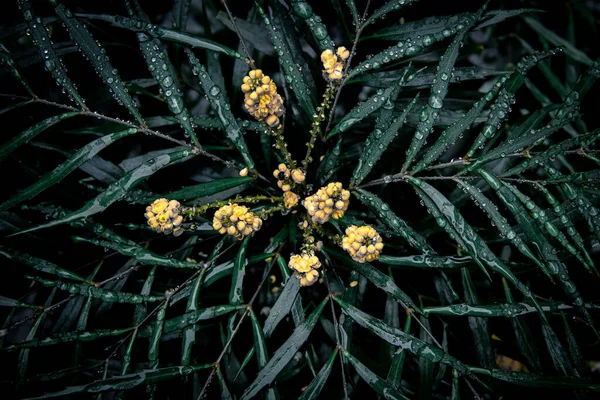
(376, 144)
(284, 354)
(383, 211)
(83, 155)
(119, 189)
(316, 385)
(219, 103)
(383, 388)
(98, 58)
(52, 62)
(293, 75)
(32, 132)
(439, 90)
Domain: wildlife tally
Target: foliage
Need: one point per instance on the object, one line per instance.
(308, 174)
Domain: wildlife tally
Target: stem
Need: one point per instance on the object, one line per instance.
(191, 212)
(359, 30)
(337, 335)
(319, 117)
(281, 145)
(249, 59)
(237, 328)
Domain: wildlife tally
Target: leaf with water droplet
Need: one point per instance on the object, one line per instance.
(160, 32)
(376, 144)
(316, 385)
(119, 189)
(129, 381)
(502, 224)
(52, 62)
(400, 227)
(400, 339)
(479, 326)
(557, 149)
(296, 78)
(219, 103)
(75, 161)
(569, 49)
(33, 131)
(506, 97)
(381, 386)
(41, 265)
(387, 78)
(316, 26)
(389, 6)
(156, 58)
(378, 278)
(98, 58)
(467, 237)
(284, 354)
(439, 90)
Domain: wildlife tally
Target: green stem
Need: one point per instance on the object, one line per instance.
(319, 117)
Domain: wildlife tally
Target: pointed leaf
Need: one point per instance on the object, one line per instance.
(83, 155)
(284, 354)
(376, 144)
(119, 189)
(383, 388)
(219, 103)
(98, 58)
(439, 90)
(316, 385)
(52, 62)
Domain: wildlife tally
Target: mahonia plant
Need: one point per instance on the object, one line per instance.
(409, 212)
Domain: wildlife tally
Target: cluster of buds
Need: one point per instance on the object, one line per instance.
(332, 65)
(236, 221)
(362, 243)
(163, 216)
(261, 98)
(329, 201)
(290, 199)
(285, 179)
(305, 266)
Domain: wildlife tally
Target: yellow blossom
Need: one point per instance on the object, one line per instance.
(290, 199)
(305, 266)
(329, 201)
(282, 174)
(244, 172)
(333, 66)
(163, 216)
(261, 98)
(343, 52)
(298, 176)
(362, 243)
(236, 220)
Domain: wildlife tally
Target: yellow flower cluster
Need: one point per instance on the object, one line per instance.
(332, 66)
(236, 221)
(362, 243)
(290, 199)
(261, 98)
(329, 201)
(305, 267)
(163, 216)
(282, 174)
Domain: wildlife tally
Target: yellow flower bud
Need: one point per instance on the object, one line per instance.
(298, 176)
(163, 216)
(343, 52)
(290, 199)
(362, 243)
(244, 172)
